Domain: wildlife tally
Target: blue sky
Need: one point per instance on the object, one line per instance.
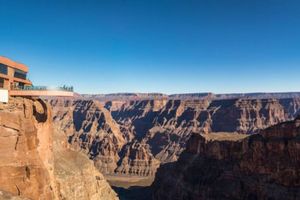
(164, 46)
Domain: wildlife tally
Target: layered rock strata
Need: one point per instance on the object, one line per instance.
(261, 166)
(33, 167)
(166, 125)
(90, 128)
(114, 133)
(23, 172)
(76, 176)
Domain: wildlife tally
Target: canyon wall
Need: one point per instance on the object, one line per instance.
(187, 96)
(34, 164)
(90, 128)
(75, 174)
(261, 166)
(134, 137)
(23, 171)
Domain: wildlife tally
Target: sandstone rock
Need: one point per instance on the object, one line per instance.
(137, 160)
(261, 166)
(9, 196)
(76, 176)
(108, 131)
(22, 169)
(32, 168)
(167, 127)
(92, 129)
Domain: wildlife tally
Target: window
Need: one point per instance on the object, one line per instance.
(3, 69)
(1, 82)
(20, 74)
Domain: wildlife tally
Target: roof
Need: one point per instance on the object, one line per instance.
(13, 64)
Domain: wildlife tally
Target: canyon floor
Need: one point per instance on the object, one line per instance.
(131, 187)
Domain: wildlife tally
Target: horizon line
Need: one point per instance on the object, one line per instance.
(187, 93)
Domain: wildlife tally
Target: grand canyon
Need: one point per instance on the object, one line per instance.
(149, 100)
(146, 146)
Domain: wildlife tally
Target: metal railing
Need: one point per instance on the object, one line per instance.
(32, 87)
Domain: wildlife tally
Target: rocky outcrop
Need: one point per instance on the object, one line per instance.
(23, 172)
(91, 129)
(33, 167)
(75, 174)
(261, 166)
(138, 160)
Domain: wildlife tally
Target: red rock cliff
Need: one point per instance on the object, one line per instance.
(23, 164)
(261, 166)
(36, 164)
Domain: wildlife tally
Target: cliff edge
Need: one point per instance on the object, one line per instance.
(35, 165)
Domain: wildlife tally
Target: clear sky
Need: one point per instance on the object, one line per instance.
(169, 46)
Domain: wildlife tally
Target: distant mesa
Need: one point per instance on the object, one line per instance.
(188, 96)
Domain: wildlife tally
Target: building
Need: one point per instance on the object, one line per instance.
(14, 82)
(13, 74)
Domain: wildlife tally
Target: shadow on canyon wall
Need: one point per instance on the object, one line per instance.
(134, 193)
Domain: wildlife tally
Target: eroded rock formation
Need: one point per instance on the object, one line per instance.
(261, 166)
(131, 137)
(166, 125)
(90, 128)
(137, 159)
(76, 175)
(23, 172)
(30, 168)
